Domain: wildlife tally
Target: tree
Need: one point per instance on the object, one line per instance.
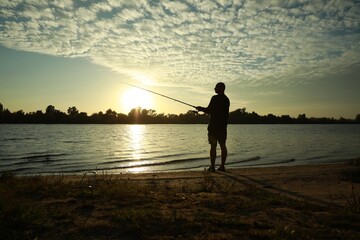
(38, 117)
(72, 111)
(271, 118)
(50, 109)
(238, 116)
(285, 119)
(52, 115)
(97, 117)
(302, 118)
(82, 117)
(357, 119)
(135, 115)
(1, 112)
(19, 116)
(110, 116)
(122, 118)
(110, 112)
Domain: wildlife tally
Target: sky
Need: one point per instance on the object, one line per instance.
(275, 56)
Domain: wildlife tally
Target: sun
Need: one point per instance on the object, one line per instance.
(133, 98)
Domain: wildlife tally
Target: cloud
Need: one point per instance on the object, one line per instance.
(247, 42)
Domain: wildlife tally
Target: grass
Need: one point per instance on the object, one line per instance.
(208, 207)
(352, 175)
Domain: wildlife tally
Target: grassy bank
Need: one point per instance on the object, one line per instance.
(198, 205)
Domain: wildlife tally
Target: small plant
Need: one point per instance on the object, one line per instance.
(352, 174)
(208, 183)
(353, 202)
(283, 233)
(6, 176)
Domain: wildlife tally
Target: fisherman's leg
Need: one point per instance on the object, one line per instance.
(223, 156)
(213, 145)
(213, 153)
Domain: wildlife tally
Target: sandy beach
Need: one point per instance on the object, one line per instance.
(297, 202)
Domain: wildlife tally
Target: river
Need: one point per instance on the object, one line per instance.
(48, 149)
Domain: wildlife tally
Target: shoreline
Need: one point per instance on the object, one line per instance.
(132, 170)
(284, 202)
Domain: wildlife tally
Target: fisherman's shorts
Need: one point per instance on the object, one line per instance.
(214, 138)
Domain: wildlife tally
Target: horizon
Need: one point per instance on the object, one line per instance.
(283, 58)
(167, 114)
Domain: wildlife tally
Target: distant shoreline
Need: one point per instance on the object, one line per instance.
(150, 116)
(314, 123)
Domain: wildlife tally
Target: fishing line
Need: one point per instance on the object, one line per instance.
(162, 95)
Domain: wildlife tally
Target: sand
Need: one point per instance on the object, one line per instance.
(296, 202)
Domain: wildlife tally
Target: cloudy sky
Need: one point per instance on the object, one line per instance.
(275, 56)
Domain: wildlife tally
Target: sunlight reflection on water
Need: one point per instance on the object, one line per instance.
(136, 138)
(139, 169)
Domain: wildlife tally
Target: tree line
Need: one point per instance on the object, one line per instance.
(150, 116)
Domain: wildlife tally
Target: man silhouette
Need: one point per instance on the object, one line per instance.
(218, 110)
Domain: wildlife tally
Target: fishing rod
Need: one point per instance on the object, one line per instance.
(162, 95)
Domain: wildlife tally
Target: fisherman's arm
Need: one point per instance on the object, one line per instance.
(202, 109)
(206, 109)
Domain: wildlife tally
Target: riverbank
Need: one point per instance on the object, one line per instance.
(299, 202)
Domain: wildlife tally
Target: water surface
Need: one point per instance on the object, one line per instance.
(46, 149)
